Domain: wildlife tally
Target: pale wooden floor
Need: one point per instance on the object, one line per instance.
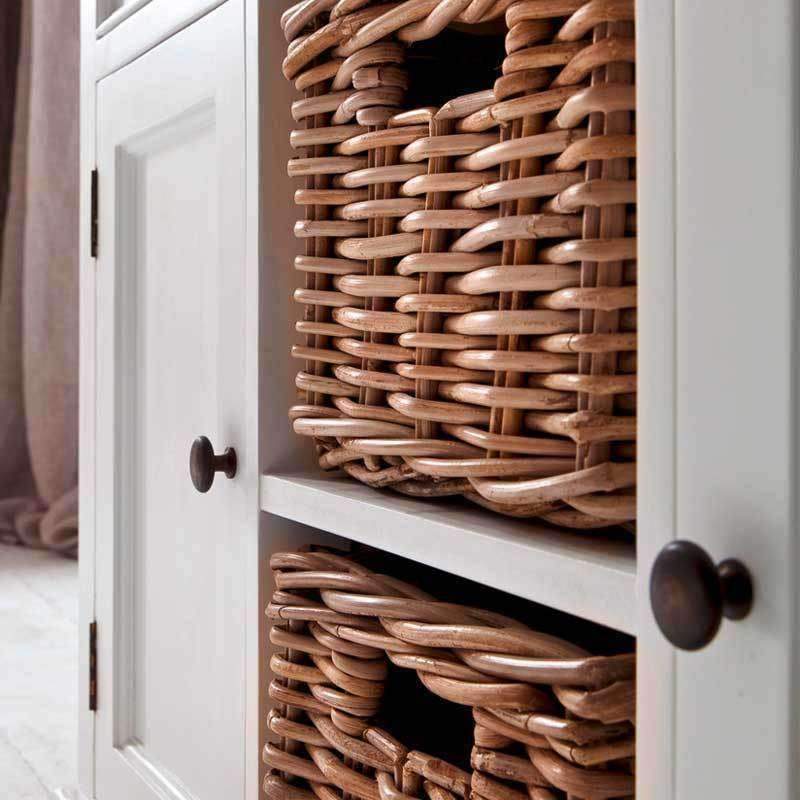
(38, 673)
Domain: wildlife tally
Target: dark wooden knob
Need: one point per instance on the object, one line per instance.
(690, 595)
(203, 464)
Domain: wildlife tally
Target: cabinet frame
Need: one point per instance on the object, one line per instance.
(669, 90)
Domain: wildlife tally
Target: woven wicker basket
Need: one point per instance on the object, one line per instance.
(548, 717)
(470, 273)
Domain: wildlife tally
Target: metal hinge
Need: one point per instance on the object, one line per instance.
(93, 222)
(93, 666)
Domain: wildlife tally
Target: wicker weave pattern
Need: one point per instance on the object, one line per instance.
(470, 273)
(549, 718)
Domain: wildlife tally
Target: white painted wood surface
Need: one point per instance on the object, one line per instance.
(655, 658)
(171, 341)
(717, 137)
(256, 575)
(736, 256)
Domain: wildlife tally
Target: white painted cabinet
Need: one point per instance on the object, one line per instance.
(186, 327)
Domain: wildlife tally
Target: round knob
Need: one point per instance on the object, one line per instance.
(690, 595)
(203, 464)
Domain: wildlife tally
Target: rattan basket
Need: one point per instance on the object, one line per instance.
(548, 717)
(470, 269)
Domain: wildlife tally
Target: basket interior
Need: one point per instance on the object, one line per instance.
(454, 63)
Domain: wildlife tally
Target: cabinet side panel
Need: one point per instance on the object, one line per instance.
(655, 60)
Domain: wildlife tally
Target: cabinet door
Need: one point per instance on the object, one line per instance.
(170, 566)
(717, 131)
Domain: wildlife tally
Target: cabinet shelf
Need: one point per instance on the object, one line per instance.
(580, 574)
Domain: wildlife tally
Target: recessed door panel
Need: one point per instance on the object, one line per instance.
(171, 604)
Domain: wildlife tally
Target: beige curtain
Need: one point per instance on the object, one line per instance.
(39, 273)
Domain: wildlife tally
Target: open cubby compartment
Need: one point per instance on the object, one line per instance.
(588, 574)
